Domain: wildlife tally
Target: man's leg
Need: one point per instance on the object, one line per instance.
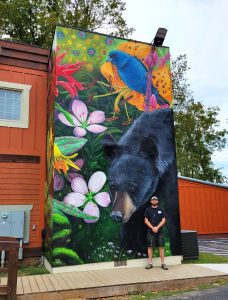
(149, 249)
(150, 254)
(162, 252)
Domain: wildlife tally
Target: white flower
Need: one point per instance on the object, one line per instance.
(88, 195)
(80, 122)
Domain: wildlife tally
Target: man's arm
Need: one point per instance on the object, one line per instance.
(146, 221)
(162, 223)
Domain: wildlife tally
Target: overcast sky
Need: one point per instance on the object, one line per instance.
(197, 28)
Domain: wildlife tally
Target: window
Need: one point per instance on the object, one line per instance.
(14, 104)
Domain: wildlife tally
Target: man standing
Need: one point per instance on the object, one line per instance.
(155, 220)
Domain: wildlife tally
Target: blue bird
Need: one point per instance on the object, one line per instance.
(133, 73)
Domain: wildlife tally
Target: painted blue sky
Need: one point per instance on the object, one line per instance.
(197, 28)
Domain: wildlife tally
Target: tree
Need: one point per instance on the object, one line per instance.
(33, 22)
(196, 129)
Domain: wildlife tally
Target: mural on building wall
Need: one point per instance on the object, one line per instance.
(111, 147)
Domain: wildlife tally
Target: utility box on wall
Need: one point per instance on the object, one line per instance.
(12, 223)
(15, 221)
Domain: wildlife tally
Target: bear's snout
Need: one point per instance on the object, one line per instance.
(116, 216)
(123, 207)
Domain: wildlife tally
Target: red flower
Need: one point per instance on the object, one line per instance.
(66, 71)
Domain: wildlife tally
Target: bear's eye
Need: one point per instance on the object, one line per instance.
(133, 188)
(112, 188)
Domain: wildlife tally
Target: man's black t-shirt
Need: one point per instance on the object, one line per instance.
(154, 215)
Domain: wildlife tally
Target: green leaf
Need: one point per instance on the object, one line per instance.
(60, 219)
(72, 210)
(64, 233)
(67, 255)
(69, 145)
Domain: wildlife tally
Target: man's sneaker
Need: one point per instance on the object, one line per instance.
(149, 266)
(164, 267)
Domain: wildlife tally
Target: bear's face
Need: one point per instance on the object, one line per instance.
(133, 174)
(132, 180)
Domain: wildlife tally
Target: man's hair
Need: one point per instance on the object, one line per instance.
(154, 197)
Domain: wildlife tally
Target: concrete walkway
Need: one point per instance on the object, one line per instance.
(113, 282)
(217, 267)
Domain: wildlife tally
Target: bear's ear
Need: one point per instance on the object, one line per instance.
(110, 146)
(148, 148)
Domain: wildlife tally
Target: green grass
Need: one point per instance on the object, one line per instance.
(207, 258)
(32, 271)
(24, 271)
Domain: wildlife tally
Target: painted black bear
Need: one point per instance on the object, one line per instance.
(143, 164)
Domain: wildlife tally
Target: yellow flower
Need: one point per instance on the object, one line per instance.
(62, 162)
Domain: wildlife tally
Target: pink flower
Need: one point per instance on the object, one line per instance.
(59, 181)
(88, 196)
(80, 121)
(152, 105)
(153, 102)
(151, 59)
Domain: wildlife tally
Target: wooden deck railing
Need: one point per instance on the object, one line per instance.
(10, 245)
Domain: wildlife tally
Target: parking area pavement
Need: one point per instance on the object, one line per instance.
(218, 293)
(214, 244)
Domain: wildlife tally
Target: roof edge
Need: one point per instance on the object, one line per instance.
(221, 185)
(23, 44)
(109, 35)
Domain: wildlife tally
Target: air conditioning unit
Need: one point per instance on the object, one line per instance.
(189, 244)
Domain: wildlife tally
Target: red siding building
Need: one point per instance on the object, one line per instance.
(203, 206)
(23, 150)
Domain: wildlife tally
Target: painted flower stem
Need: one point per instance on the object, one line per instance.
(150, 62)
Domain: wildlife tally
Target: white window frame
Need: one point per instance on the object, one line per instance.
(24, 113)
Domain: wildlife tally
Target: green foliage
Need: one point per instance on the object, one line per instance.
(61, 238)
(72, 210)
(89, 237)
(67, 255)
(196, 128)
(68, 145)
(108, 251)
(61, 220)
(62, 233)
(34, 22)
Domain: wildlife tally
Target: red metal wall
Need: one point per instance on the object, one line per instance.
(203, 207)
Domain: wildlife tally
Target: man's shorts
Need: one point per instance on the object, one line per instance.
(155, 239)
